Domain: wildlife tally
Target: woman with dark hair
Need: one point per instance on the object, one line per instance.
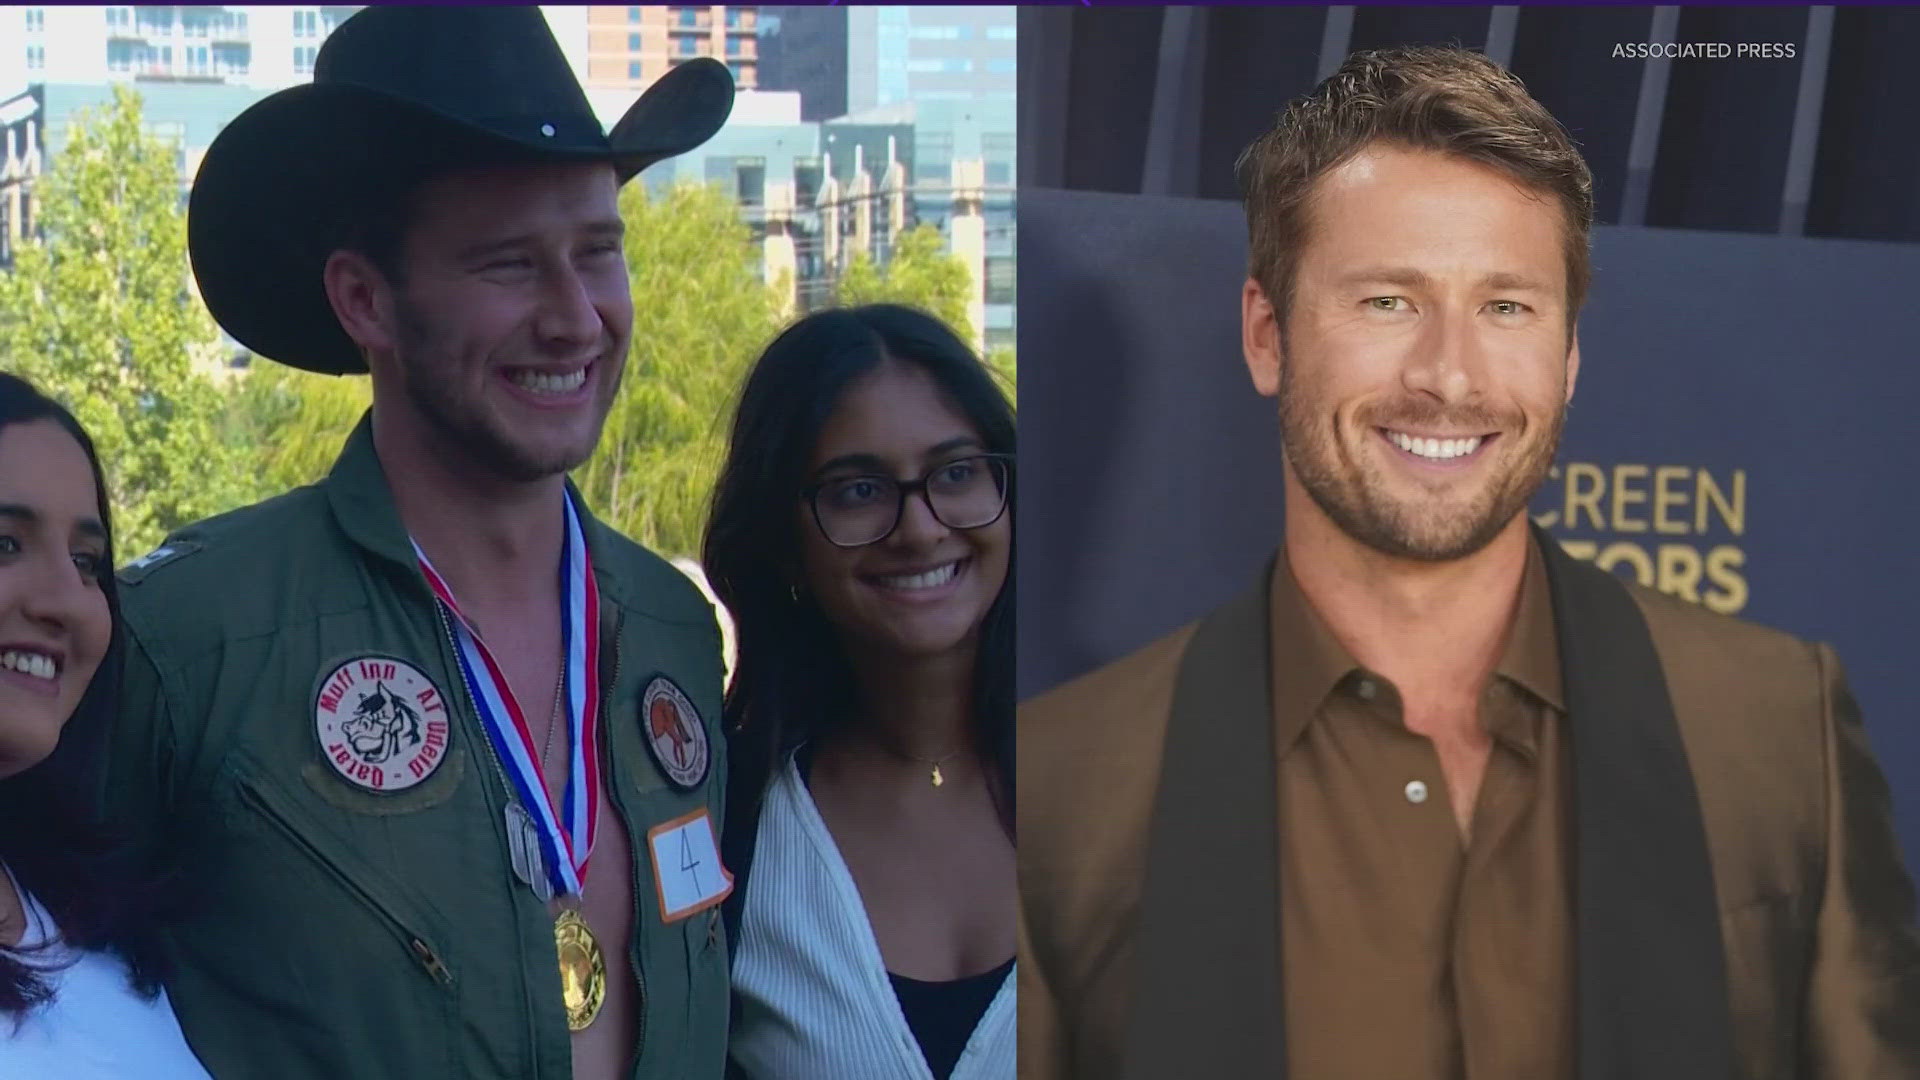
(862, 539)
(79, 991)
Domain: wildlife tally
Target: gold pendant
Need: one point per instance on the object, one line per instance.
(937, 778)
(583, 970)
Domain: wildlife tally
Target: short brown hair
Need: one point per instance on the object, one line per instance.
(1451, 100)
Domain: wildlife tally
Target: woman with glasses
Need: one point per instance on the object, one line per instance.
(862, 539)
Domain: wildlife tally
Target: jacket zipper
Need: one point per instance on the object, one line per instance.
(636, 842)
(606, 708)
(499, 770)
(466, 694)
(416, 945)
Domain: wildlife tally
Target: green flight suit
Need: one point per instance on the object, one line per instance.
(342, 932)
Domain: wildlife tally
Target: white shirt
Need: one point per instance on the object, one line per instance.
(815, 1000)
(96, 1027)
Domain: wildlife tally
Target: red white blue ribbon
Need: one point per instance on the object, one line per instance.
(566, 839)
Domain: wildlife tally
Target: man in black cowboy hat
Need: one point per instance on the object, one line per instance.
(529, 888)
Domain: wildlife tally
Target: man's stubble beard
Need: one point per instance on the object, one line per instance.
(463, 423)
(1351, 493)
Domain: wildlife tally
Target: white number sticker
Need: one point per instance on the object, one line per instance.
(686, 866)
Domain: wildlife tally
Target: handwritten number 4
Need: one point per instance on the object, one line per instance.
(687, 861)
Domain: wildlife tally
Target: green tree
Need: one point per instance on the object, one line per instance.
(701, 316)
(97, 313)
(920, 274)
(1001, 361)
(293, 423)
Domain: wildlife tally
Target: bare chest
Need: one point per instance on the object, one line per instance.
(523, 641)
(604, 1047)
(526, 647)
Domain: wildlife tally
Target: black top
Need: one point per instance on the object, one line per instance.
(944, 1014)
(941, 1014)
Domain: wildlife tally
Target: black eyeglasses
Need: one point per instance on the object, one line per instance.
(965, 493)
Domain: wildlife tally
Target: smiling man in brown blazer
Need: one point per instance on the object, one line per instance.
(1433, 800)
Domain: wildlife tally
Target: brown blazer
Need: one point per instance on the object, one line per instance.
(1821, 958)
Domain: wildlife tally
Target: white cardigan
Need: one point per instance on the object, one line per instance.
(815, 1000)
(96, 1027)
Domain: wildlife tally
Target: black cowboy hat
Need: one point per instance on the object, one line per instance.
(400, 93)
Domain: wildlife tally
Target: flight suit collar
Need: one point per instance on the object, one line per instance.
(362, 502)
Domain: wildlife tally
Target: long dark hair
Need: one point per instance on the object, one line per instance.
(51, 835)
(791, 679)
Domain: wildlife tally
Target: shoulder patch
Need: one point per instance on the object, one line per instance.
(171, 551)
(674, 733)
(380, 721)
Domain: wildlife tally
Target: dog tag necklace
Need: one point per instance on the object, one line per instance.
(523, 836)
(556, 850)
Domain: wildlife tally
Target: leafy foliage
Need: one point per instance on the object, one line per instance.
(292, 422)
(700, 318)
(920, 274)
(1001, 360)
(98, 314)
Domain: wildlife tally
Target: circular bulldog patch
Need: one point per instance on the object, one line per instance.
(674, 733)
(382, 724)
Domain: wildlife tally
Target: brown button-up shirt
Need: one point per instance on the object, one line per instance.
(1411, 952)
(1410, 956)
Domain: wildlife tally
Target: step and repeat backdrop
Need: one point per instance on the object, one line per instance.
(1742, 436)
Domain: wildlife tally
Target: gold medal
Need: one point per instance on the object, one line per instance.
(583, 970)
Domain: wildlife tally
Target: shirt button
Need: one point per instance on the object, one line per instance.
(1366, 689)
(1416, 792)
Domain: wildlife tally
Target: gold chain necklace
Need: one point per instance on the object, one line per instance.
(936, 763)
(932, 763)
(553, 718)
